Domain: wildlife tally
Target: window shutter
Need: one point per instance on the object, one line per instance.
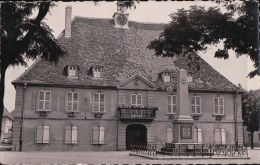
(95, 135)
(34, 101)
(46, 134)
(54, 101)
(47, 100)
(223, 136)
(195, 135)
(41, 101)
(96, 102)
(65, 70)
(169, 104)
(199, 135)
(174, 103)
(102, 102)
(215, 100)
(169, 134)
(68, 134)
(221, 105)
(74, 136)
(139, 99)
(75, 102)
(192, 100)
(39, 134)
(101, 135)
(217, 136)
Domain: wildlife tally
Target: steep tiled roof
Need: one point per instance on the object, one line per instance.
(121, 52)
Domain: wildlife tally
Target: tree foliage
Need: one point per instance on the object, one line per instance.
(24, 37)
(195, 29)
(250, 112)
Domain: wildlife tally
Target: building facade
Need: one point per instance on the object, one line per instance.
(110, 92)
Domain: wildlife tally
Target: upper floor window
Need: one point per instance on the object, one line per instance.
(172, 104)
(72, 71)
(98, 135)
(96, 72)
(218, 105)
(195, 105)
(189, 77)
(136, 99)
(71, 134)
(99, 102)
(72, 101)
(43, 134)
(167, 77)
(44, 101)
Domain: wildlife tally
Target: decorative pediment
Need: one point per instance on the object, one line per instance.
(137, 82)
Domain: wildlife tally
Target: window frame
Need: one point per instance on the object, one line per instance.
(74, 70)
(44, 101)
(167, 77)
(72, 102)
(218, 106)
(195, 105)
(42, 128)
(101, 137)
(71, 134)
(99, 102)
(189, 77)
(171, 104)
(96, 72)
(136, 99)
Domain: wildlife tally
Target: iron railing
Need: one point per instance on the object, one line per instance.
(133, 112)
(226, 150)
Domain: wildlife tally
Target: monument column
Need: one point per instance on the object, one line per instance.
(183, 122)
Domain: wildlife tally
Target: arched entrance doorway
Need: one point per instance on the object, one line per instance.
(135, 134)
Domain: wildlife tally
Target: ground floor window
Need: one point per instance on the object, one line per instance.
(220, 136)
(71, 134)
(169, 135)
(43, 134)
(197, 135)
(98, 135)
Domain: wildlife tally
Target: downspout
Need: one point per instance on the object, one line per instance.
(22, 117)
(235, 118)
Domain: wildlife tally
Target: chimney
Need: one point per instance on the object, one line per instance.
(68, 21)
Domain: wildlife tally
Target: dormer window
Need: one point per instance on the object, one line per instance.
(72, 71)
(166, 77)
(189, 77)
(96, 72)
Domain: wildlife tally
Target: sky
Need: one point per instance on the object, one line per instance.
(234, 69)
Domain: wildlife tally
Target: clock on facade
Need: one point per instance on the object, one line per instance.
(121, 19)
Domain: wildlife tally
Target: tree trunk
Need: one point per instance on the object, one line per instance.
(2, 91)
(252, 139)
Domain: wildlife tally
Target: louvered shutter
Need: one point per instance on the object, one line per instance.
(139, 99)
(96, 102)
(39, 134)
(101, 135)
(215, 100)
(217, 136)
(169, 104)
(198, 103)
(47, 100)
(174, 106)
(74, 135)
(46, 134)
(75, 101)
(199, 135)
(69, 101)
(41, 101)
(34, 101)
(68, 134)
(193, 105)
(95, 135)
(195, 135)
(221, 105)
(169, 135)
(223, 136)
(102, 102)
(133, 99)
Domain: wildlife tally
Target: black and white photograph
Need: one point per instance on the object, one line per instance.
(129, 82)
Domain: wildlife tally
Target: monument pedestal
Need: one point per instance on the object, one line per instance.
(183, 130)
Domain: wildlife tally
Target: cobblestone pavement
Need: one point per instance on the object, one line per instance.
(111, 157)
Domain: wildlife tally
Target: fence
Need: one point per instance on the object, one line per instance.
(227, 150)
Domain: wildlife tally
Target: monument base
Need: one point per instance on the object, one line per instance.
(183, 129)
